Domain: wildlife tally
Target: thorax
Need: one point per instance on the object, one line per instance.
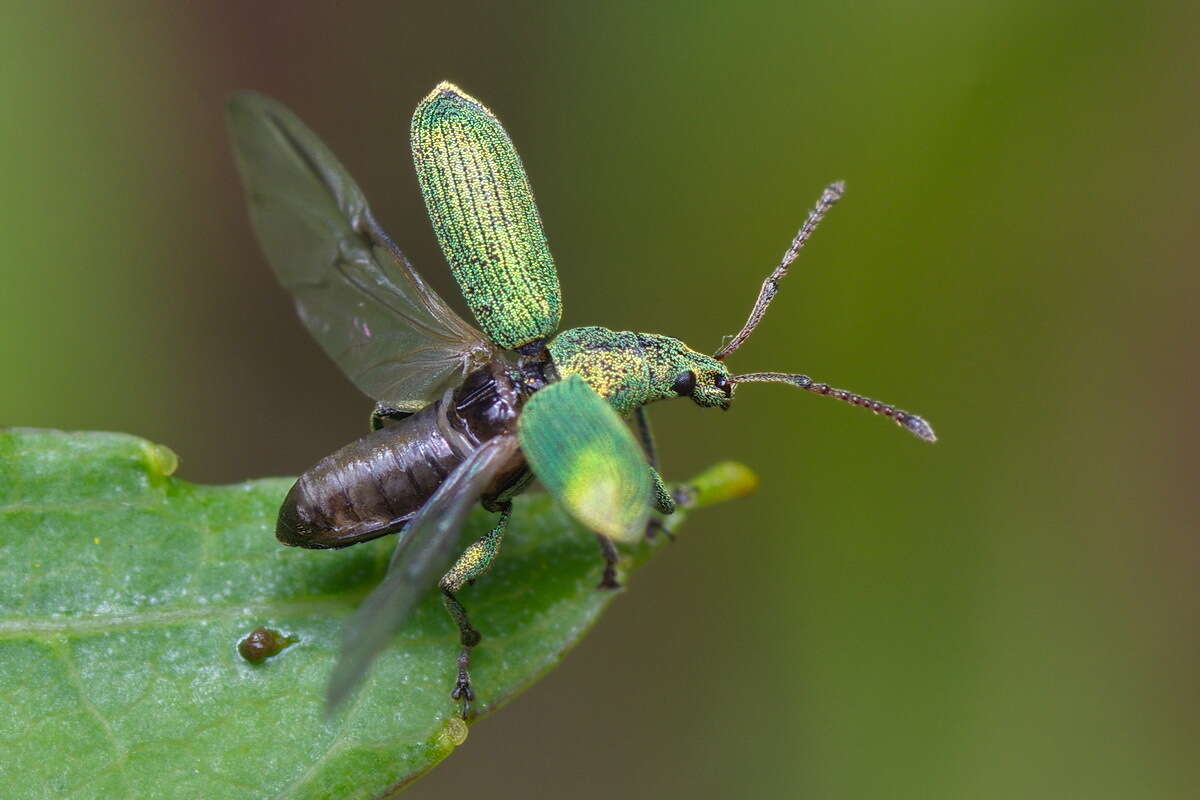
(614, 363)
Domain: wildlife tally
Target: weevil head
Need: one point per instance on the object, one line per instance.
(632, 369)
(677, 370)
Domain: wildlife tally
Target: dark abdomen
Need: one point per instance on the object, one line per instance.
(374, 485)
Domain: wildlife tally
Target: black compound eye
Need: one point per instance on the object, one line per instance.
(722, 383)
(684, 384)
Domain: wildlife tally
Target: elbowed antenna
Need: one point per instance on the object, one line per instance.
(910, 422)
(833, 192)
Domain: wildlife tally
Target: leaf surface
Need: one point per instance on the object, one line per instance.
(124, 593)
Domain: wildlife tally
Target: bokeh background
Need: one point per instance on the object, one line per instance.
(1009, 613)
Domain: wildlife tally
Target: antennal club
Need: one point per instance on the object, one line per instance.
(833, 192)
(910, 422)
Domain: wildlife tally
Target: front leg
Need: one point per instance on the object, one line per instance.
(646, 436)
(665, 503)
(664, 500)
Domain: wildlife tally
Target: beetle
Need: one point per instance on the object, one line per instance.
(466, 415)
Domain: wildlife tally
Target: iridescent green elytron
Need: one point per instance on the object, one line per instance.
(465, 416)
(576, 455)
(485, 218)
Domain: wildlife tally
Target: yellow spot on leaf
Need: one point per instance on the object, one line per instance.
(160, 460)
(452, 734)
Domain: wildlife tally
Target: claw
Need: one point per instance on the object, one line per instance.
(463, 693)
(655, 526)
(608, 583)
(609, 580)
(683, 496)
(462, 687)
(609, 551)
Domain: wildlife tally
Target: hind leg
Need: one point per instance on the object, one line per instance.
(470, 565)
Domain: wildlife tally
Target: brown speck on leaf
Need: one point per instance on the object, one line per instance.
(262, 643)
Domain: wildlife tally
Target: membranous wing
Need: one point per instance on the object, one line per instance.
(354, 289)
(427, 549)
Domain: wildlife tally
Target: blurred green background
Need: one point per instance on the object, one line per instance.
(1009, 613)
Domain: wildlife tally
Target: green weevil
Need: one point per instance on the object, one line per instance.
(465, 415)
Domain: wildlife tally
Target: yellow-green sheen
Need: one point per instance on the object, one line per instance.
(631, 369)
(587, 458)
(485, 218)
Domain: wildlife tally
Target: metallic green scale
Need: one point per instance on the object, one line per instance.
(631, 369)
(485, 218)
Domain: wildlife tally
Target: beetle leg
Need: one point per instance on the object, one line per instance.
(475, 561)
(383, 415)
(609, 551)
(646, 436)
(664, 503)
(664, 500)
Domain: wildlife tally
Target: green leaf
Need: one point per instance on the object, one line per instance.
(124, 594)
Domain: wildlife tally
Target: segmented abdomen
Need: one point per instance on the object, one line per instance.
(373, 485)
